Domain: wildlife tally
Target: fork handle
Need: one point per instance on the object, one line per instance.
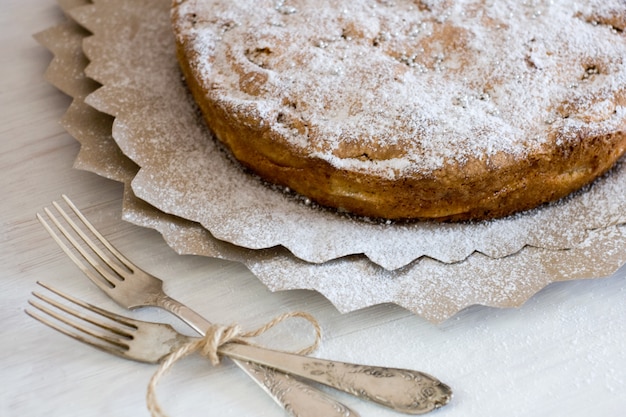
(297, 398)
(180, 310)
(402, 390)
(407, 391)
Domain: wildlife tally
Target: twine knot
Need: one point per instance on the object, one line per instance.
(217, 336)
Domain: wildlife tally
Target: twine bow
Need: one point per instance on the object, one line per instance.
(217, 336)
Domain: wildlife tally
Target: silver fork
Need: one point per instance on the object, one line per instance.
(132, 288)
(152, 342)
(135, 339)
(403, 390)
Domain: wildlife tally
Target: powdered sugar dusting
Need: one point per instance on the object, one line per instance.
(388, 73)
(184, 173)
(433, 289)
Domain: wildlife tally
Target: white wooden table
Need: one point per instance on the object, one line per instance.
(563, 353)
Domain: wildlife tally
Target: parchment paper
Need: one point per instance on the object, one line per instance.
(431, 288)
(183, 172)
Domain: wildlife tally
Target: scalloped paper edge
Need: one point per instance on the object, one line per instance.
(429, 288)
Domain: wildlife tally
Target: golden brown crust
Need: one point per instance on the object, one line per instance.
(477, 187)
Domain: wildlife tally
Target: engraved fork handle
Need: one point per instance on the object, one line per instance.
(403, 390)
(297, 398)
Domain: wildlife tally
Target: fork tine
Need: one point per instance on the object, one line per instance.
(77, 261)
(125, 263)
(112, 339)
(73, 323)
(112, 349)
(110, 279)
(121, 258)
(121, 335)
(123, 320)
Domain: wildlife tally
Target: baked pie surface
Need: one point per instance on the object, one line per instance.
(412, 110)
